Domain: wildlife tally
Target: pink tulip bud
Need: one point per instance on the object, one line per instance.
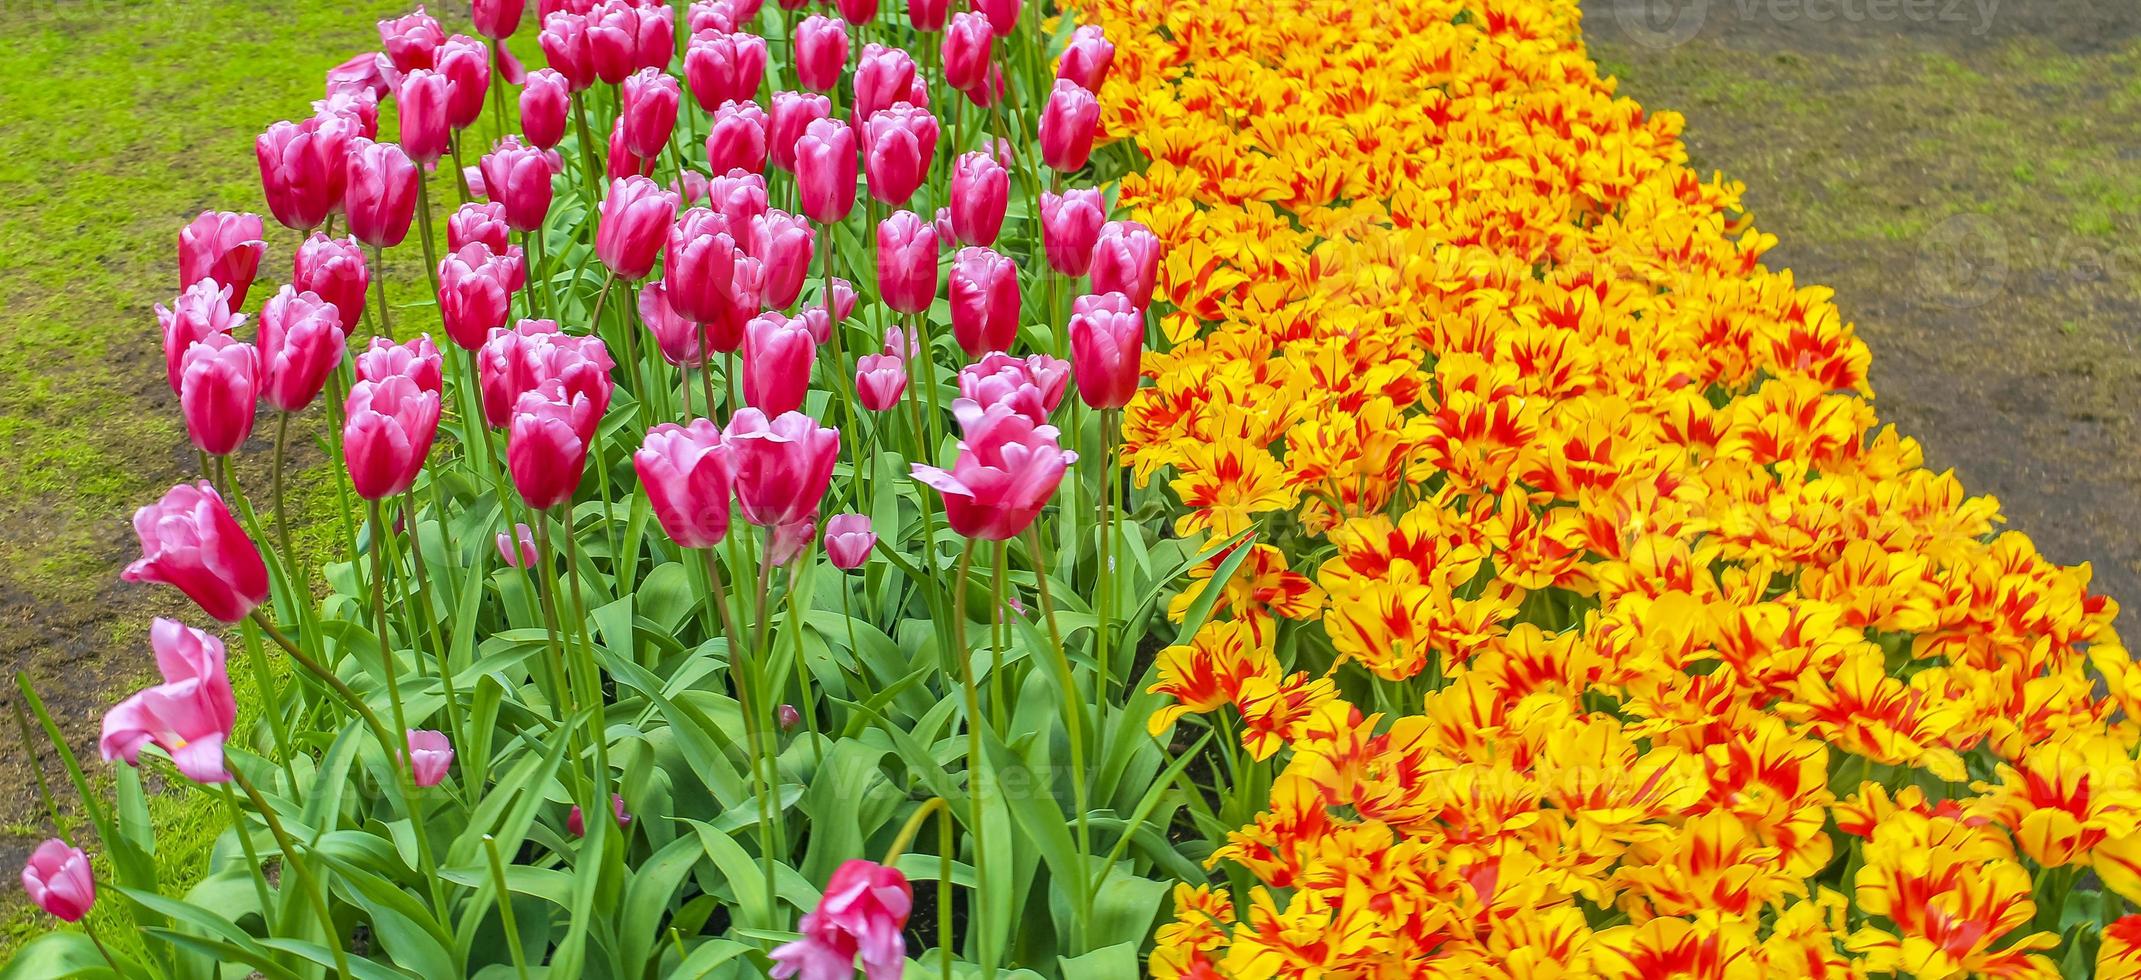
(1007, 469)
(361, 73)
(190, 541)
(484, 224)
(1002, 14)
(701, 279)
(899, 143)
(412, 41)
(634, 225)
(575, 824)
(466, 64)
(680, 340)
(360, 108)
(422, 96)
(497, 19)
(777, 356)
(301, 168)
(1070, 225)
(430, 755)
(476, 292)
(568, 45)
(790, 540)
(825, 171)
(1087, 58)
(981, 192)
(1034, 385)
(906, 262)
(1126, 260)
(1107, 337)
(223, 246)
(879, 381)
(387, 432)
(416, 359)
(1068, 122)
(737, 139)
(863, 913)
(724, 67)
(518, 549)
(782, 467)
(688, 474)
(820, 319)
(782, 243)
(793, 112)
(543, 105)
(301, 342)
(517, 178)
(546, 450)
(58, 880)
(202, 311)
(967, 49)
(650, 105)
(883, 76)
(821, 45)
(902, 346)
(381, 199)
(927, 15)
(218, 392)
(333, 268)
(788, 716)
(984, 301)
(848, 540)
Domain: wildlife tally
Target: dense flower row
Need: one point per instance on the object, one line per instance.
(1643, 650)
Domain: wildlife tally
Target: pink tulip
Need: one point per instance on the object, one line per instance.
(476, 292)
(381, 199)
(543, 105)
(720, 16)
(782, 243)
(359, 107)
(856, 12)
(430, 755)
(885, 76)
(989, 92)
(425, 135)
(1068, 122)
(483, 224)
(984, 300)
(466, 65)
(1107, 336)
(967, 48)
(202, 311)
(654, 33)
(899, 143)
(821, 45)
(622, 162)
(701, 284)
(820, 320)
(568, 45)
(899, 344)
(650, 105)
(575, 824)
(1002, 151)
(518, 549)
(927, 15)
(223, 246)
(1126, 260)
(679, 339)
(777, 356)
(848, 540)
(387, 430)
(361, 73)
(518, 178)
(906, 262)
(1003, 14)
(412, 41)
(787, 716)
(1034, 385)
(333, 268)
(190, 541)
(613, 40)
(688, 473)
(724, 67)
(218, 392)
(1070, 226)
(497, 19)
(58, 880)
(1087, 57)
(302, 168)
(787, 541)
(782, 467)
(417, 359)
(736, 139)
(740, 198)
(879, 380)
(1007, 469)
(981, 192)
(546, 450)
(514, 362)
(189, 715)
(634, 224)
(825, 171)
(301, 342)
(863, 913)
(793, 112)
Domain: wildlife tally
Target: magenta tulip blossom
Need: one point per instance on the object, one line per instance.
(821, 48)
(1007, 469)
(1034, 385)
(387, 430)
(678, 338)
(430, 756)
(1107, 338)
(981, 192)
(782, 466)
(724, 67)
(927, 15)
(412, 41)
(879, 380)
(425, 132)
(416, 359)
(546, 445)
(1068, 123)
(575, 824)
(302, 168)
(1070, 226)
(301, 342)
(792, 114)
(1126, 260)
(689, 474)
(1087, 58)
(223, 246)
(907, 262)
(984, 300)
(898, 145)
(381, 197)
(788, 541)
(568, 45)
(333, 268)
(517, 178)
(989, 92)
(517, 550)
(783, 244)
(58, 880)
(190, 541)
(700, 283)
(821, 320)
(218, 392)
(201, 311)
(364, 72)
(1002, 14)
(479, 222)
(544, 103)
(359, 107)
(883, 76)
(967, 48)
(736, 138)
(513, 362)
(633, 226)
(739, 198)
(476, 292)
(848, 540)
(189, 715)
(497, 19)
(825, 171)
(465, 63)
(863, 914)
(622, 162)
(777, 356)
(651, 98)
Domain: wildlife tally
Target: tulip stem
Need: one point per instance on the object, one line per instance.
(252, 856)
(587, 150)
(958, 651)
(379, 612)
(98, 942)
(460, 173)
(328, 677)
(999, 609)
(379, 283)
(304, 874)
(438, 643)
(741, 670)
(423, 218)
(843, 379)
(802, 680)
(282, 520)
(911, 828)
(559, 693)
(505, 908)
(1073, 723)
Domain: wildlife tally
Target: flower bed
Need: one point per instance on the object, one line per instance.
(1508, 578)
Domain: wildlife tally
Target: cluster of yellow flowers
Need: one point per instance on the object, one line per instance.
(1593, 624)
